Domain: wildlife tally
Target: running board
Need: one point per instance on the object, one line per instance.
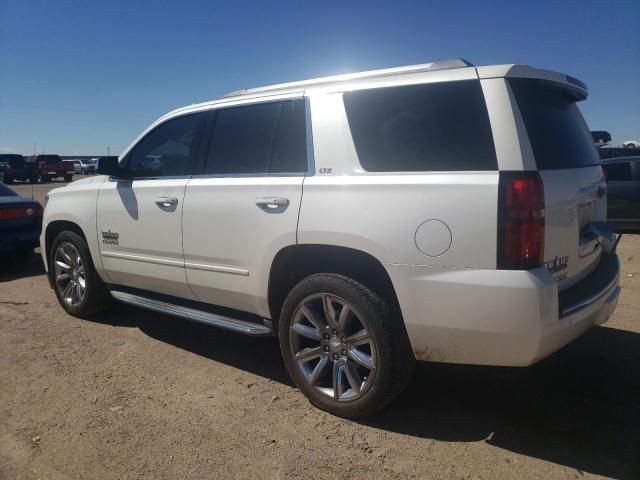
(227, 323)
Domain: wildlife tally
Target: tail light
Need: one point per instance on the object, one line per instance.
(520, 221)
(14, 213)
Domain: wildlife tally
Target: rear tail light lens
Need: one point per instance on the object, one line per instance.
(520, 221)
(14, 213)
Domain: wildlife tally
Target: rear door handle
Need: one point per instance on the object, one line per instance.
(166, 202)
(272, 202)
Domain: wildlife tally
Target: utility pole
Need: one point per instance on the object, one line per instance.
(108, 151)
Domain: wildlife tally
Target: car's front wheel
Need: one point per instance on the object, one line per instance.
(342, 347)
(78, 287)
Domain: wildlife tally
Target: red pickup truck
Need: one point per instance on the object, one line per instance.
(52, 166)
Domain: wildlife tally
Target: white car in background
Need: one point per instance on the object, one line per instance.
(440, 212)
(631, 144)
(83, 166)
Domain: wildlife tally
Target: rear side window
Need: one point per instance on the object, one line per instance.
(559, 138)
(168, 149)
(259, 139)
(429, 127)
(617, 172)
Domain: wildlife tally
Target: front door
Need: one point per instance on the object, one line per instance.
(140, 218)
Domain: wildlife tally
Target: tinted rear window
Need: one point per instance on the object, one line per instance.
(10, 158)
(432, 127)
(49, 159)
(6, 191)
(617, 172)
(558, 136)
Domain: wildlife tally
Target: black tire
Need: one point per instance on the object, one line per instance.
(96, 295)
(68, 178)
(33, 179)
(8, 180)
(394, 360)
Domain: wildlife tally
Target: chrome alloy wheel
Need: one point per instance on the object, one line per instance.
(69, 273)
(333, 347)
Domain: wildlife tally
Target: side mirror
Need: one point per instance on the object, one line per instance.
(109, 166)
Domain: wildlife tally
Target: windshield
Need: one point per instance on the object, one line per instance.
(558, 134)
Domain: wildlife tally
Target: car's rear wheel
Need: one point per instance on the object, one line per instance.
(342, 347)
(78, 287)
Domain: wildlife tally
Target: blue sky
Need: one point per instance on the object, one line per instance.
(78, 76)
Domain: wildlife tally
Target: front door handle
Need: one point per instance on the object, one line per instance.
(272, 202)
(166, 202)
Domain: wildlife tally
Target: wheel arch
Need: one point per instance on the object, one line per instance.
(296, 262)
(53, 229)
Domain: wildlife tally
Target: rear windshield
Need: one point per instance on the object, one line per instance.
(6, 191)
(10, 157)
(428, 127)
(557, 132)
(49, 159)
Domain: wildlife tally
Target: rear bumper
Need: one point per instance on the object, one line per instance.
(624, 225)
(14, 241)
(497, 317)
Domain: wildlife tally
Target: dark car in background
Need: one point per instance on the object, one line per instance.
(20, 223)
(623, 198)
(13, 167)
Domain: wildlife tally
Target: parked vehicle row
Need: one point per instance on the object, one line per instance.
(34, 169)
(441, 212)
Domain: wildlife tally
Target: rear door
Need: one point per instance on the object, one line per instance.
(140, 219)
(243, 207)
(574, 186)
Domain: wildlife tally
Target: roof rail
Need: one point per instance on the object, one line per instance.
(425, 67)
(235, 93)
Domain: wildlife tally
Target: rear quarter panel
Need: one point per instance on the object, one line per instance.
(380, 213)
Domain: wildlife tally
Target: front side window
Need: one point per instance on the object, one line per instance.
(261, 138)
(168, 150)
(428, 127)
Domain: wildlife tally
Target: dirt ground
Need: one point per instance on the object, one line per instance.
(134, 394)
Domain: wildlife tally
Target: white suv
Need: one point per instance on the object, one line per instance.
(436, 212)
